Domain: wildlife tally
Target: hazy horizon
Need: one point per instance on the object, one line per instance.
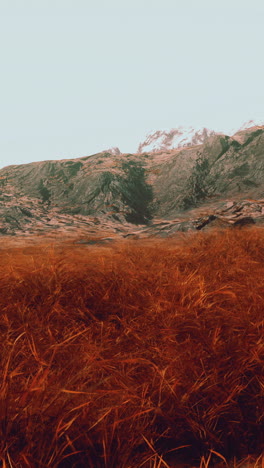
(82, 76)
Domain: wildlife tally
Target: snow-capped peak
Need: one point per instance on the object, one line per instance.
(174, 138)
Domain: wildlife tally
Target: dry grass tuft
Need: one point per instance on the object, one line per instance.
(149, 354)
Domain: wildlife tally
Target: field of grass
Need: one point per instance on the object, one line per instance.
(144, 354)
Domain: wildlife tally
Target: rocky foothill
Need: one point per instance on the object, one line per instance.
(216, 184)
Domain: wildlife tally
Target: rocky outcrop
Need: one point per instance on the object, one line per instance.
(215, 184)
(225, 214)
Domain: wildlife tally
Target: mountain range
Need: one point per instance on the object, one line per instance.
(209, 180)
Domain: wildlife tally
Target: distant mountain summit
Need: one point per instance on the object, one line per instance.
(180, 137)
(114, 150)
(219, 181)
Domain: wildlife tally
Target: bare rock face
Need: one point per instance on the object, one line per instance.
(215, 184)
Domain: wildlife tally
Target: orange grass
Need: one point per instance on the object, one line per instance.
(148, 354)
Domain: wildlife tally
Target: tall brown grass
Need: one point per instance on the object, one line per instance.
(148, 354)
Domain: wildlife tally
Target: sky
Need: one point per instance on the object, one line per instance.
(81, 76)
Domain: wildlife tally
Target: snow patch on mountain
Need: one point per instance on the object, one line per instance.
(162, 140)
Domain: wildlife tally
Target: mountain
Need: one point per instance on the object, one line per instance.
(215, 183)
(175, 138)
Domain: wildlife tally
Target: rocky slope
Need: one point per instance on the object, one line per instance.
(217, 183)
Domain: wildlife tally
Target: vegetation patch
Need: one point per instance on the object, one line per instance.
(73, 167)
(249, 183)
(136, 193)
(225, 143)
(196, 187)
(252, 136)
(240, 171)
(44, 192)
(148, 354)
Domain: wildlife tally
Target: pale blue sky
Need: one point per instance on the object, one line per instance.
(80, 76)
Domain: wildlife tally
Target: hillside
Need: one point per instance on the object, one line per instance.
(145, 354)
(219, 181)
